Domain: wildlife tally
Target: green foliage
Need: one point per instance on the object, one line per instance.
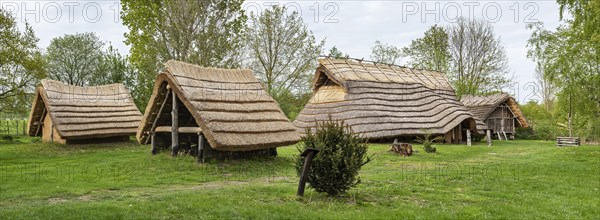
(74, 58)
(292, 104)
(282, 51)
(206, 33)
(21, 65)
(428, 142)
(386, 53)
(430, 52)
(80, 59)
(336, 53)
(334, 169)
(569, 57)
(7, 138)
(479, 61)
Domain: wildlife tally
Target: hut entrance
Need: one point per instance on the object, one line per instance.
(175, 129)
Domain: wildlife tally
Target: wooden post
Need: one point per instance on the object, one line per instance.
(52, 134)
(309, 153)
(40, 123)
(153, 142)
(468, 137)
(489, 137)
(504, 133)
(174, 126)
(499, 137)
(200, 158)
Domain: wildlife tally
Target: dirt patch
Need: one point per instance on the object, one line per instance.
(56, 200)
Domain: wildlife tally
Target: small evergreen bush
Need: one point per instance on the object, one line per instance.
(427, 142)
(342, 153)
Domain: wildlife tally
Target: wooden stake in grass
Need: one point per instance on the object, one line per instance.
(309, 153)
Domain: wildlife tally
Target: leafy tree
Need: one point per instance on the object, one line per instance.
(336, 53)
(537, 45)
(74, 59)
(479, 62)
(283, 51)
(342, 153)
(291, 104)
(570, 57)
(21, 65)
(206, 33)
(430, 52)
(112, 68)
(385, 53)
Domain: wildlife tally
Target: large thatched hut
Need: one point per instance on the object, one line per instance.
(382, 101)
(68, 114)
(498, 113)
(214, 111)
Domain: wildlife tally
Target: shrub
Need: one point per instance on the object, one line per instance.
(7, 138)
(342, 153)
(427, 142)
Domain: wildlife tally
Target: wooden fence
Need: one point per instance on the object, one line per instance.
(13, 127)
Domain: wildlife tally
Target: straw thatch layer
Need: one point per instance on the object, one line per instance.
(231, 107)
(84, 112)
(483, 106)
(383, 101)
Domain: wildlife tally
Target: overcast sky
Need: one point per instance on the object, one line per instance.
(352, 26)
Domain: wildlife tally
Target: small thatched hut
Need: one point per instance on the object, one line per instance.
(219, 111)
(498, 113)
(67, 114)
(382, 101)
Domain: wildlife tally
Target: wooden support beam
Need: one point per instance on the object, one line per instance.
(162, 106)
(182, 130)
(201, 155)
(153, 141)
(174, 126)
(489, 137)
(52, 134)
(40, 123)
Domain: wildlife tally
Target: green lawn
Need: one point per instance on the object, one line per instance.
(512, 179)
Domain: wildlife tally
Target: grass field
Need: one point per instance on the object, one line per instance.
(512, 179)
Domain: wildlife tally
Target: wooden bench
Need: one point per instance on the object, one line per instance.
(567, 141)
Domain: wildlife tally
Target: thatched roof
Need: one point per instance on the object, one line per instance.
(231, 107)
(483, 106)
(381, 100)
(84, 112)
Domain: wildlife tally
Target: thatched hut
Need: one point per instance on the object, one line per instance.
(68, 114)
(216, 111)
(498, 113)
(382, 101)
